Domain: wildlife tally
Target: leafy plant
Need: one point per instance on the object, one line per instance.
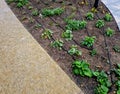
(81, 67)
(117, 73)
(116, 48)
(75, 24)
(20, 3)
(104, 83)
(102, 78)
(109, 32)
(35, 12)
(101, 89)
(89, 16)
(52, 12)
(108, 17)
(88, 41)
(117, 70)
(74, 51)
(67, 35)
(57, 44)
(99, 24)
(93, 52)
(47, 34)
(118, 86)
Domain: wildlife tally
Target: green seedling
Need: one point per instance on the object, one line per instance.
(109, 32)
(89, 16)
(88, 41)
(101, 89)
(47, 34)
(31, 20)
(117, 73)
(116, 48)
(9, 1)
(35, 12)
(118, 87)
(57, 44)
(74, 51)
(104, 83)
(19, 3)
(75, 24)
(100, 24)
(81, 67)
(67, 35)
(52, 12)
(30, 7)
(93, 52)
(37, 26)
(108, 17)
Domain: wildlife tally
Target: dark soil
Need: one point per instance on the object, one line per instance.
(105, 59)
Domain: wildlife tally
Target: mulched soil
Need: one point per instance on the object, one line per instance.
(105, 59)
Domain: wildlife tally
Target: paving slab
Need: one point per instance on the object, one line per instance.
(114, 7)
(25, 67)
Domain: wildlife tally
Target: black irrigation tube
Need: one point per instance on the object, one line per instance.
(45, 29)
(108, 53)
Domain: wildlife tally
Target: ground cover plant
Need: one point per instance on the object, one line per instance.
(19, 3)
(108, 17)
(57, 44)
(74, 51)
(116, 48)
(109, 32)
(89, 16)
(88, 41)
(100, 24)
(67, 35)
(52, 12)
(85, 58)
(75, 24)
(81, 67)
(47, 34)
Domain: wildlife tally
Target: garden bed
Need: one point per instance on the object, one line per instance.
(106, 57)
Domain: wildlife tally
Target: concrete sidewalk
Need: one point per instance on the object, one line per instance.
(114, 7)
(25, 68)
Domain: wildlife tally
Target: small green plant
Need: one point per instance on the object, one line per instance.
(57, 44)
(88, 41)
(118, 87)
(81, 67)
(20, 3)
(52, 12)
(67, 35)
(101, 89)
(93, 52)
(117, 73)
(116, 48)
(47, 34)
(100, 24)
(35, 12)
(108, 17)
(104, 83)
(30, 7)
(37, 26)
(75, 24)
(74, 51)
(117, 70)
(89, 16)
(9, 1)
(109, 32)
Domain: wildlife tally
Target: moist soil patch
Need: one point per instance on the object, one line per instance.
(105, 59)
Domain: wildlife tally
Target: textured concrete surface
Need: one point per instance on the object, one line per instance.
(25, 68)
(114, 7)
